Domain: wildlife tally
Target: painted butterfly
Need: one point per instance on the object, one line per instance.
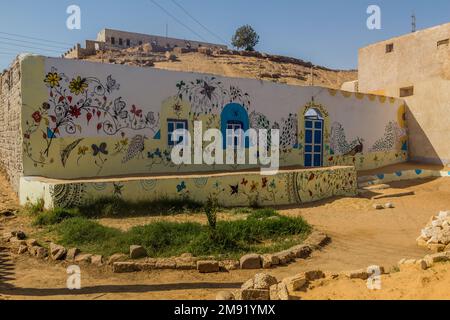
(181, 186)
(235, 189)
(99, 149)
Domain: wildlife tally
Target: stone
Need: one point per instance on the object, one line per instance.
(166, 264)
(137, 252)
(317, 240)
(229, 265)
(32, 243)
(19, 234)
(249, 284)
(408, 264)
(185, 264)
(39, 252)
(436, 247)
(251, 261)
(83, 258)
(279, 291)
(314, 275)
(301, 251)
(97, 260)
(22, 249)
(295, 283)
(7, 236)
(117, 257)
(255, 294)
(208, 266)
(444, 215)
(284, 256)
(72, 253)
(378, 206)
(263, 281)
(389, 205)
(57, 252)
(422, 243)
(187, 256)
(266, 261)
(422, 264)
(357, 274)
(225, 296)
(16, 243)
(146, 266)
(437, 257)
(125, 267)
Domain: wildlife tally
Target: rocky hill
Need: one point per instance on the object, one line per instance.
(230, 63)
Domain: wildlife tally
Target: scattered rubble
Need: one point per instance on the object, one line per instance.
(436, 235)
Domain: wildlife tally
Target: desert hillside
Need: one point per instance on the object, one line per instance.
(232, 64)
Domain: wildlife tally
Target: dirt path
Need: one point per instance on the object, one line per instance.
(361, 237)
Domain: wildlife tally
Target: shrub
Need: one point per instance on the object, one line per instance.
(211, 208)
(54, 216)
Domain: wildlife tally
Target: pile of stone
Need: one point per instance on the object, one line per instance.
(266, 287)
(436, 235)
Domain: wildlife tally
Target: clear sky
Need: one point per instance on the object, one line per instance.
(326, 32)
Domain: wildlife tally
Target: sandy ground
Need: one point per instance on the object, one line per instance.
(361, 236)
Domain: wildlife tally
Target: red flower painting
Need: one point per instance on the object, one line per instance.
(37, 117)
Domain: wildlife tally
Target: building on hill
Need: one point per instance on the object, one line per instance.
(117, 39)
(415, 67)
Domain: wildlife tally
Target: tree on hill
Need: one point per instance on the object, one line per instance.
(245, 38)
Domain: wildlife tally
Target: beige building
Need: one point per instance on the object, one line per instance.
(415, 67)
(124, 39)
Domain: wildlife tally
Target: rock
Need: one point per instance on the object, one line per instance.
(97, 260)
(39, 252)
(137, 252)
(117, 257)
(72, 253)
(207, 266)
(83, 258)
(16, 243)
(148, 265)
(284, 256)
(378, 206)
(22, 249)
(19, 234)
(408, 264)
(301, 251)
(125, 267)
(444, 215)
(295, 283)
(437, 257)
(436, 247)
(317, 240)
(32, 243)
(249, 284)
(166, 264)
(266, 261)
(225, 296)
(229, 265)
(357, 274)
(57, 252)
(422, 243)
(7, 213)
(251, 261)
(185, 264)
(187, 256)
(263, 281)
(389, 205)
(279, 291)
(314, 275)
(170, 56)
(422, 264)
(255, 294)
(7, 236)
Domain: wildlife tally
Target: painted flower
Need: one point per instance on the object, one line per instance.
(37, 117)
(75, 111)
(52, 79)
(78, 86)
(46, 106)
(82, 150)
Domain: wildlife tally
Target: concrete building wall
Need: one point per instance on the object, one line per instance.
(131, 39)
(97, 120)
(419, 61)
(10, 123)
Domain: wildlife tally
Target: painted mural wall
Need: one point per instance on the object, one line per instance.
(84, 119)
(231, 190)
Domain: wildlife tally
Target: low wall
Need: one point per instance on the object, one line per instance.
(404, 175)
(231, 190)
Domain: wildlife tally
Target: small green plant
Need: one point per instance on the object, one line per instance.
(211, 208)
(54, 216)
(35, 208)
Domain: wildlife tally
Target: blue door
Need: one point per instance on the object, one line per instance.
(313, 142)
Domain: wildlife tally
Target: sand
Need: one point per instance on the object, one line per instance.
(361, 236)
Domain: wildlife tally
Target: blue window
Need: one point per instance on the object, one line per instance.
(308, 160)
(318, 137)
(308, 124)
(308, 136)
(313, 141)
(234, 117)
(173, 125)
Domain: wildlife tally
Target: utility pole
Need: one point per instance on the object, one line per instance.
(413, 22)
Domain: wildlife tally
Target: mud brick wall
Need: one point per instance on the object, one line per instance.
(10, 128)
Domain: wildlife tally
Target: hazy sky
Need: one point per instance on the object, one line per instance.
(325, 32)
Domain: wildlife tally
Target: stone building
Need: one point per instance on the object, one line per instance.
(415, 67)
(124, 39)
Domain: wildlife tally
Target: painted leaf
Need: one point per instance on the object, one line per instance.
(65, 153)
